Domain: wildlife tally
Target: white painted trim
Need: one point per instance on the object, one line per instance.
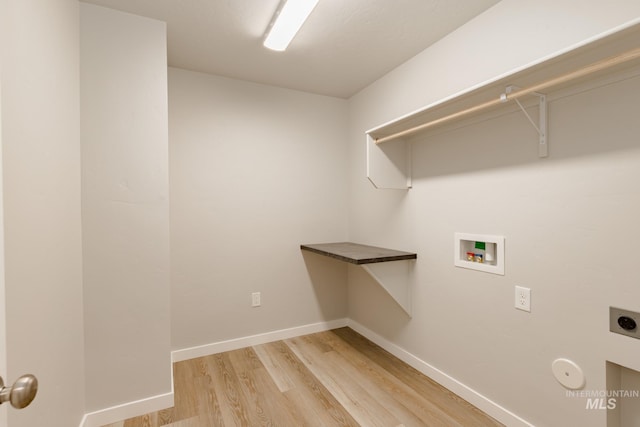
(162, 401)
(467, 393)
(155, 403)
(3, 301)
(128, 410)
(235, 344)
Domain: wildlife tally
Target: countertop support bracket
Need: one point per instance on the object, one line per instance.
(393, 277)
(387, 267)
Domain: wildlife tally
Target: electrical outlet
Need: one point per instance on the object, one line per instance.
(523, 298)
(624, 322)
(255, 299)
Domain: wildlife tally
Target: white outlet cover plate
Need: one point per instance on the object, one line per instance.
(255, 299)
(526, 304)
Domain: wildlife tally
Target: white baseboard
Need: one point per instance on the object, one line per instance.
(235, 344)
(155, 403)
(476, 399)
(128, 410)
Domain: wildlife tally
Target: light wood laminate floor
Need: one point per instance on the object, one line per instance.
(334, 378)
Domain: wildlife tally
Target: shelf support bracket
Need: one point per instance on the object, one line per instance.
(389, 165)
(541, 127)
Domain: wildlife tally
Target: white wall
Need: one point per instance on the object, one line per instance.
(255, 171)
(125, 207)
(41, 174)
(568, 220)
(630, 410)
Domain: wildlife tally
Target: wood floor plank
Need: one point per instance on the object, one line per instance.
(402, 401)
(411, 407)
(459, 409)
(319, 403)
(209, 412)
(334, 378)
(189, 422)
(309, 415)
(185, 393)
(272, 366)
(148, 420)
(260, 390)
(283, 410)
(254, 402)
(233, 404)
(165, 416)
(353, 397)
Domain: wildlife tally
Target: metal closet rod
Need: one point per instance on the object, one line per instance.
(589, 69)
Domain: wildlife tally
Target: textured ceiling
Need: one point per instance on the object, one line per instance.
(343, 47)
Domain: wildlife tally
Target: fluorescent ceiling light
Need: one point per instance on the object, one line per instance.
(288, 22)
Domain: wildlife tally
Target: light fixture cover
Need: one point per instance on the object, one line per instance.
(288, 22)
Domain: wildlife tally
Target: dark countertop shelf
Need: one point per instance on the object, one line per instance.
(355, 253)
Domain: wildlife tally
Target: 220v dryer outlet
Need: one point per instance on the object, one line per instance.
(624, 322)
